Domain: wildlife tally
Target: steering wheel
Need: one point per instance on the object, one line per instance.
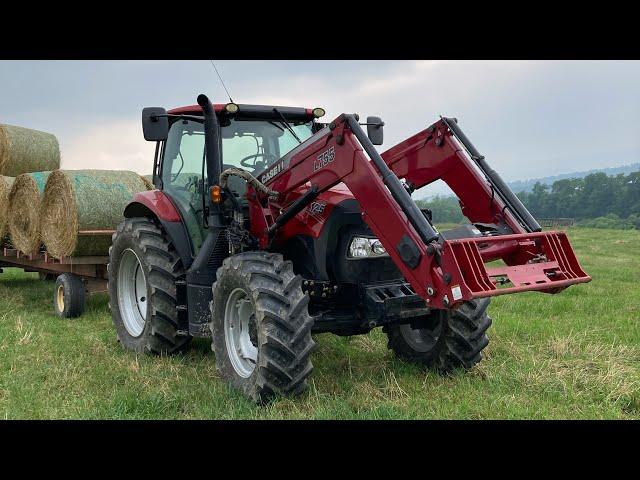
(245, 161)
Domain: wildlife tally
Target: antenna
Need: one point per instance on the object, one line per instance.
(222, 81)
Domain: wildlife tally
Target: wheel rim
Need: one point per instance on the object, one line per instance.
(132, 293)
(60, 298)
(423, 339)
(239, 332)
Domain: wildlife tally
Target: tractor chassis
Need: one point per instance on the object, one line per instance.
(380, 304)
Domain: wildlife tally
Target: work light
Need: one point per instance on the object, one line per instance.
(231, 107)
(318, 112)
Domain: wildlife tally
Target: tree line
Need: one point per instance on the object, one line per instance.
(596, 200)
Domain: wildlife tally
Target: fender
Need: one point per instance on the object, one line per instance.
(157, 204)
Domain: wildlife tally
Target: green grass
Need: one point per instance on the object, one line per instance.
(571, 355)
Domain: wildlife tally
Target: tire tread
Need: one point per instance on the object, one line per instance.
(165, 269)
(461, 342)
(284, 362)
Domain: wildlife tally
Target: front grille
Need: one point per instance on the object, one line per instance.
(219, 252)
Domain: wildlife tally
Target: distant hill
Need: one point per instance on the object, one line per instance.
(527, 185)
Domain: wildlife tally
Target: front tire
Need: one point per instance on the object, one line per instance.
(261, 328)
(453, 339)
(143, 269)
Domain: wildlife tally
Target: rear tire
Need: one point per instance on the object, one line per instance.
(69, 296)
(258, 295)
(454, 339)
(142, 273)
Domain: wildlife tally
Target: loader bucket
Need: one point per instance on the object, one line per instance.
(541, 261)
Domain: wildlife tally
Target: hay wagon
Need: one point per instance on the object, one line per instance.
(75, 277)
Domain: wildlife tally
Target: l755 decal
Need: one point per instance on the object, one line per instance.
(324, 159)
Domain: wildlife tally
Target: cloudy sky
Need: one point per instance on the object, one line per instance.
(529, 118)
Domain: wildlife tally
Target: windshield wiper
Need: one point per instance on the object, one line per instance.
(286, 124)
(276, 125)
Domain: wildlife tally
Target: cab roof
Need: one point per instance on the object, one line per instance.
(251, 111)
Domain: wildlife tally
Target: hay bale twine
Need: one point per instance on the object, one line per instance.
(5, 187)
(25, 198)
(85, 201)
(23, 150)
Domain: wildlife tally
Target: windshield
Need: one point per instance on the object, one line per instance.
(255, 145)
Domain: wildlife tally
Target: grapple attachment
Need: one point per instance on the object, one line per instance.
(542, 261)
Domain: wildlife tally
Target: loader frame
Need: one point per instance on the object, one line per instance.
(444, 273)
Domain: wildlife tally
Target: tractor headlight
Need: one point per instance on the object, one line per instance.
(364, 247)
(377, 248)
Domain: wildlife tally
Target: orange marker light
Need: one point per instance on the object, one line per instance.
(216, 194)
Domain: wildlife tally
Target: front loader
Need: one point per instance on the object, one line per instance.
(267, 225)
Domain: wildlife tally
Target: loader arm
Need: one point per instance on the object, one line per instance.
(444, 273)
(442, 151)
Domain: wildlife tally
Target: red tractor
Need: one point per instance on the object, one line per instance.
(267, 226)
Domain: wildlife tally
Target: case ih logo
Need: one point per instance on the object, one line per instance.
(272, 173)
(324, 159)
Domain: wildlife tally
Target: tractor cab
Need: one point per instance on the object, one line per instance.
(253, 138)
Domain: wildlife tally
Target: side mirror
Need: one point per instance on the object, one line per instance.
(374, 130)
(155, 124)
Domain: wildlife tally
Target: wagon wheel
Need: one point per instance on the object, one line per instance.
(69, 296)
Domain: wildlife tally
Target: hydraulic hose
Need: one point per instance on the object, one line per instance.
(250, 179)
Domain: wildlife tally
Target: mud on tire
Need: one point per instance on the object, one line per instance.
(162, 267)
(453, 339)
(281, 321)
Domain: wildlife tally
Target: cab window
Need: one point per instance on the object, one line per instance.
(255, 145)
(288, 142)
(184, 175)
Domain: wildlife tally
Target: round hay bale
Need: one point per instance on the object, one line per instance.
(5, 187)
(87, 201)
(23, 150)
(24, 211)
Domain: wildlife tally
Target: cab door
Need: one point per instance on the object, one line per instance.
(184, 176)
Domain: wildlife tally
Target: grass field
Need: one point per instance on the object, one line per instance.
(571, 355)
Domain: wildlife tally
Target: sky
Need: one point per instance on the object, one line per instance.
(528, 118)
